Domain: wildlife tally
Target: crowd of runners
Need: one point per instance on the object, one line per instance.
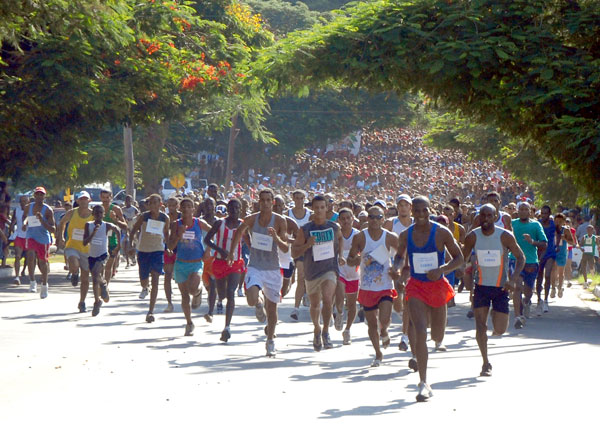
(347, 257)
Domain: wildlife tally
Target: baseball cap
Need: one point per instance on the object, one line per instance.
(404, 197)
(84, 194)
(380, 203)
(40, 189)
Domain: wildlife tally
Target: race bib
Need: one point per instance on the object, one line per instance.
(189, 235)
(155, 226)
(588, 249)
(323, 251)
(425, 262)
(262, 242)
(489, 258)
(77, 234)
(97, 241)
(346, 253)
(33, 221)
(381, 255)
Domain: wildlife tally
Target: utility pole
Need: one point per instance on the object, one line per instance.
(128, 148)
(233, 133)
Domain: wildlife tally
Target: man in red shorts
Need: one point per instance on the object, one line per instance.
(227, 276)
(427, 290)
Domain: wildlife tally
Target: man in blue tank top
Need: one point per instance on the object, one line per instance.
(547, 259)
(427, 291)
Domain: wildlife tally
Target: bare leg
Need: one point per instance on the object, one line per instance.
(418, 335)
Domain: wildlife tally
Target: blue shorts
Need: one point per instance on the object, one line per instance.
(545, 259)
(152, 261)
(245, 253)
(451, 278)
(183, 270)
(570, 255)
(529, 272)
(483, 296)
(561, 260)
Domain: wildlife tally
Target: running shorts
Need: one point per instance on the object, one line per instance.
(169, 259)
(82, 257)
(183, 270)
(42, 251)
(221, 269)
(21, 242)
(529, 272)
(207, 273)
(97, 263)
(270, 282)
(432, 293)
(483, 296)
(370, 300)
(313, 286)
(351, 286)
(150, 261)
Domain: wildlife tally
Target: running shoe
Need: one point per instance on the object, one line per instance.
(261, 315)
(96, 308)
(545, 307)
(17, 281)
(225, 335)
(403, 346)
(376, 363)
(470, 314)
(168, 309)
(519, 322)
(208, 318)
(540, 308)
(74, 279)
(440, 347)
(270, 345)
(486, 370)
(305, 301)
(385, 341)
(189, 329)
(294, 314)
(527, 309)
(346, 336)
(240, 292)
(424, 392)
(149, 318)
(197, 299)
(81, 307)
(69, 276)
(327, 341)
(219, 308)
(339, 321)
(104, 293)
(412, 364)
(143, 293)
(33, 286)
(317, 345)
(44, 291)
(569, 284)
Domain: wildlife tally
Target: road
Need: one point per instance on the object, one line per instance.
(60, 366)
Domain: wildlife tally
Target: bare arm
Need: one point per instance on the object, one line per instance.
(279, 233)
(358, 245)
(301, 244)
(209, 242)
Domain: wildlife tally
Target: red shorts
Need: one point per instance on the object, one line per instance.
(351, 286)
(21, 242)
(371, 298)
(433, 293)
(169, 260)
(221, 269)
(42, 251)
(207, 273)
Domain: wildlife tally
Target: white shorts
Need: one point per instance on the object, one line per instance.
(270, 282)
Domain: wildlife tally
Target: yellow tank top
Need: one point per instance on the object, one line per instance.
(456, 232)
(75, 232)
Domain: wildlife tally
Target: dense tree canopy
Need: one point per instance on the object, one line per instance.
(528, 67)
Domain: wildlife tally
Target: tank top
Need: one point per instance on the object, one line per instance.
(325, 237)
(223, 240)
(350, 273)
(150, 241)
(456, 232)
(285, 258)
(263, 251)
(423, 259)
(112, 238)
(75, 232)
(550, 231)
(300, 221)
(190, 247)
(19, 216)
(398, 227)
(99, 244)
(499, 222)
(589, 244)
(38, 233)
(375, 276)
(490, 258)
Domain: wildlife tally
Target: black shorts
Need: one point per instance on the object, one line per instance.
(287, 273)
(497, 296)
(383, 299)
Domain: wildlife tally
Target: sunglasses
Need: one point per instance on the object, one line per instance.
(379, 216)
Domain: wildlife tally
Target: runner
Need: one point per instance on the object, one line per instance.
(114, 215)
(266, 228)
(96, 236)
(397, 225)
(531, 238)
(186, 241)
(575, 243)
(75, 251)
(371, 249)
(349, 276)
(38, 219)
(548, 258)
(285, 259)
(588, 243)
(208, 209)
(227, 276)
(301, 215)
(490, 244)
(427, 290)
(563, 237)
(321, 251)
(20, 240)
(170, 256)
(153, 226)
(129, 213)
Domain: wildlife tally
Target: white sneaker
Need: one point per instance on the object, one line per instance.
(424, 392)
(305, 301)
(33, 286)
(17, 281)
(440, 347)
(346, 336)
(403, 346)
(143, 293)
(527, 309)
(240, 292)
(540, 308)
(546, 308)
(44, 291)
(294, 314)
(261, 315)
(270, 346)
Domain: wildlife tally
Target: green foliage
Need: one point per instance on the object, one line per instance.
(528, 67)
(283, 17)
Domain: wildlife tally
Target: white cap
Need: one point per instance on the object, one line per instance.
(404, 197)
(84, 194)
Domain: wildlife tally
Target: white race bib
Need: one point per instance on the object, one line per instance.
(425, 262)
(323, 251)
(155, 226)
(587, 249)
(77, 234)
(262, 242)
(97, 241)
(489, 258)
(189, 235)
(33, 221)
(381, 255)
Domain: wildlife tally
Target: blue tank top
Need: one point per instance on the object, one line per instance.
(550, 231)
(421, 261)
(190, 248)
(38, 233)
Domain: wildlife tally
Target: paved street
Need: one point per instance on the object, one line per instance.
(60, 366)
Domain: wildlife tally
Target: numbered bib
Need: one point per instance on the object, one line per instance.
(155, 226)
(33, 221)
(97, 241)
(425, 262)
(381, 255)
(77, 234)
(262, 242)
(323, 251)
(189, 235)
(489, 258)
(588, 249)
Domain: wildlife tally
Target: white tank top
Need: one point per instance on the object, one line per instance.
(20, 232)
(349, 273)
(398, 227)
(375, 276)
(499, 222)
(300, 221)
(99, 244)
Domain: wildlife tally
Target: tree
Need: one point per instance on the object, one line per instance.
(528, 67)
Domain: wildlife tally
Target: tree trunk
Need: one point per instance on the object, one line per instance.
(150, 151)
